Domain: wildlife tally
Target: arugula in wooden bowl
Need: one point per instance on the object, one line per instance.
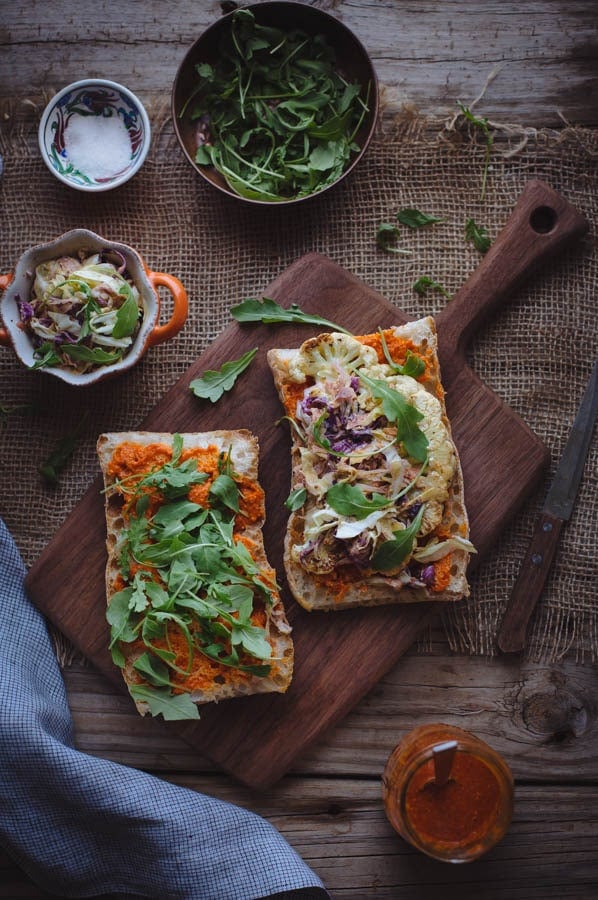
(275, 103)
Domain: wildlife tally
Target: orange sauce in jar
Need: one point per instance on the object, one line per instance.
(456, 819)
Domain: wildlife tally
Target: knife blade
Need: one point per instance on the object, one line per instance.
(557, 509)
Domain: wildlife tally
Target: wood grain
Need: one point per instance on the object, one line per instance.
(258, 738)
(427, 55)
(339, 828)
(542, 718)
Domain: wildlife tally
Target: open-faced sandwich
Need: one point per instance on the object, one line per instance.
(193, 605)
(377, 505)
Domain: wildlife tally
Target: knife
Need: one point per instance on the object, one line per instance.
(557, 509)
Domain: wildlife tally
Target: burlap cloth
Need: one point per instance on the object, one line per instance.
(536, 353)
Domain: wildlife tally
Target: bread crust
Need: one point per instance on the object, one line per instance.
(363, 589)
(226, 681)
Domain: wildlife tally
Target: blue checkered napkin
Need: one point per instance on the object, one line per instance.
(82, 826)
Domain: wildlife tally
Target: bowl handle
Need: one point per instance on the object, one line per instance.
(179, 313)
(4, 338)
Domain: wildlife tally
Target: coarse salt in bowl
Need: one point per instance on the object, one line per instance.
(94, 135)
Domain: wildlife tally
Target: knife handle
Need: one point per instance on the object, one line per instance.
(530, 581)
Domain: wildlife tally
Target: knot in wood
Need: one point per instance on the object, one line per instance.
(558, 714)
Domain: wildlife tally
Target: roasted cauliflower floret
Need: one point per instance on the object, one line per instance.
(325, 356)
(441, 457)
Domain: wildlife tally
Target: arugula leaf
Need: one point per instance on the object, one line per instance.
(138, 600)
(177, 448)
(425, 283)
(161, 702)
(25, 409)
(158, 597)
(225, 463)
(413, 218)
(127, 315)
(479, 236)
(51, 468)
(348, 500)
(268, 312)
(133, 539)
(152, 669)
(218, 654)
(123, 625)
(91, 354)
(239, 597)
(45, 355)
(155, 626)
(224, 491)
(391, 554)
(296, 499)
(484, 126)
(178, 516)
(213, 383)
(414, 365)
(405, 415)
(252, 639)
(385, 235)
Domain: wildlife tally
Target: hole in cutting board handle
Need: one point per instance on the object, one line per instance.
(543, 219)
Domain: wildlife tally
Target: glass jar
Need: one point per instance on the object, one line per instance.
(458, 820)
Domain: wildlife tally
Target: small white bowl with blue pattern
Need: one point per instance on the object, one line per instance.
(110, 131)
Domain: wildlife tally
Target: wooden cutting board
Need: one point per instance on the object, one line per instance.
(339, 655)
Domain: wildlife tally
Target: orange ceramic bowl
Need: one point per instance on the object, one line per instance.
(17, 287)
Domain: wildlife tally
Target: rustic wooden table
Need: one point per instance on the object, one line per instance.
(539, 61)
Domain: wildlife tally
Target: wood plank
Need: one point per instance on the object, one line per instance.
(427, 55)
(339, 828)
(541, 718)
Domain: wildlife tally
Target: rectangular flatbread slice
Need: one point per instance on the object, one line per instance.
(193, 605)
(377, 504)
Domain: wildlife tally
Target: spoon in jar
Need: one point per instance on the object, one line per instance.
(443, 756)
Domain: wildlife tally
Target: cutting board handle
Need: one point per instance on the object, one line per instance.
(541, 224)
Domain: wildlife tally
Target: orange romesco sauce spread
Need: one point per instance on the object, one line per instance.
(292, 394)
(132, 459)
(461, 811)
(397, 348)
(442, 573)
(337, 583)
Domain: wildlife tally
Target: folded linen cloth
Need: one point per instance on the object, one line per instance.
(81, 826)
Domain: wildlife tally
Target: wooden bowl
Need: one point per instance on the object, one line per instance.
(352, 62)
